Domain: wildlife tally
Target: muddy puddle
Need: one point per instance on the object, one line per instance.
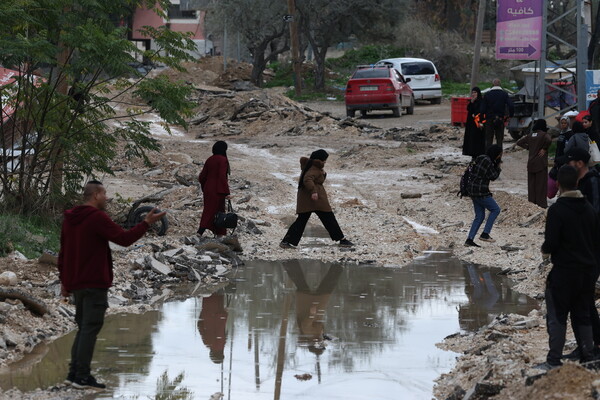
(295, 329)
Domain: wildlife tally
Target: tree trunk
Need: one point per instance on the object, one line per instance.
(320, 68)
(258, 64)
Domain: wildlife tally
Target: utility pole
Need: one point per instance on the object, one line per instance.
(296, 62)
(477, 49)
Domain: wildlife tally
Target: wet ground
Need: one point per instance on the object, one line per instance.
(301, 329)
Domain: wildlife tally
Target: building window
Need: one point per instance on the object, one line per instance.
(175, 12)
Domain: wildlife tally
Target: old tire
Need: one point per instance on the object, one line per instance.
(159, 228)
(363, 113)
(515, 134)
(397, 111)
(437, 100)
(350, 113)
(410, 110)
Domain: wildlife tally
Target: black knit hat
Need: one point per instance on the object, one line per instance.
(319, 155)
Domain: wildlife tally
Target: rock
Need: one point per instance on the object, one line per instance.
(4, 307)
(48, 258)
(11, 338)
(8, 278)
(496, 336)
(533, 219)
(527, 323)
(154, 172)
(17, 255)
(140, 263)
(117, 300)
(159, 267)
(244, 199)
(509, 247)
(221, 270)
(458, 393)
(3, 344)
(411, 195)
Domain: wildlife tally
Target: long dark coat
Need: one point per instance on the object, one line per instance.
(312, 183)
(213, 180)
(474, 140)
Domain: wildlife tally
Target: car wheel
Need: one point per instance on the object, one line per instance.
(350, 112)
(397, 111)
(437, 100)
(516, 134)
(410, 110)
(363, 113)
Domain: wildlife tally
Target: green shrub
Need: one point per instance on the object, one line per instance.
(29, 235)
(368, 54)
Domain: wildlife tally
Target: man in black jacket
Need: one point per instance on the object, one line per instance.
(496, 106)
(571, 233)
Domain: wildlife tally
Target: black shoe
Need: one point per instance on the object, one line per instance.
(486, 238)
(575, 355)
(345, 243)
(286, 245)
(70, 378)
(88, 383)
(546, 366)
(471, 243)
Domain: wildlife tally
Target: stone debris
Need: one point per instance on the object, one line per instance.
(8, 278)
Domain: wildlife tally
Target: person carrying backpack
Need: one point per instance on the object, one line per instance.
(485, 169)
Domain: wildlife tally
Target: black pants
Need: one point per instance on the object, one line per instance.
(493, 130)
(327, 285)
(569, 291)
(90, 306)
(294, 233)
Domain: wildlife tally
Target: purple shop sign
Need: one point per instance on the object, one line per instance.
(519, 29)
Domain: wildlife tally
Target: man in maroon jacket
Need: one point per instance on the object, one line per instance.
(85, 270)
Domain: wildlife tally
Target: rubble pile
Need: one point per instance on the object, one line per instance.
(142, 276)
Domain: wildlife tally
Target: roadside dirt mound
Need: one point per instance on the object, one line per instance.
(266, 112)
(571, 381)
(210, 71)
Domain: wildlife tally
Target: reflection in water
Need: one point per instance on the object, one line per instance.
(211, 325)
(383, 324)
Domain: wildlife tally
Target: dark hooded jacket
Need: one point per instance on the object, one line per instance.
(85, 259)
(572, 232)
(312, 182)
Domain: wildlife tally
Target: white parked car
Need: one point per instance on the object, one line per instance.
(424, 78)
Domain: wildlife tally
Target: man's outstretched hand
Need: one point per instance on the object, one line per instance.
(154, 215)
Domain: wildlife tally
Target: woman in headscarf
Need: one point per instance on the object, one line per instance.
(311, 198)
(474, 140)
(537, 142)
(215, 188)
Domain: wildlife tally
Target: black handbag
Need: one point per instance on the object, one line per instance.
(227, 219)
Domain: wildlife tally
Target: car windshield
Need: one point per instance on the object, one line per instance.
(371, 73)
(418, 68)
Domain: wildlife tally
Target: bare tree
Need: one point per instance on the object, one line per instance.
(261, 24)
(326, 22)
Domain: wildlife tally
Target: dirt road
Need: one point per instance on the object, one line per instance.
(425, 114)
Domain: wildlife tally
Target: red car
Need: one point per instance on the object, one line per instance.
(378, 88)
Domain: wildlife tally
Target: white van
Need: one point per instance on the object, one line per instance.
(424, 78)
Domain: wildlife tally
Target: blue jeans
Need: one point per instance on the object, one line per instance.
(480, 204)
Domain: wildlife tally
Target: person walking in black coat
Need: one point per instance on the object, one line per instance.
(497, 106)
(474, 140)
(537, 142)
(570, 237)
(486, 169)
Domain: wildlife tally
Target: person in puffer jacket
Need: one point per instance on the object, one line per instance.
(312, 197)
